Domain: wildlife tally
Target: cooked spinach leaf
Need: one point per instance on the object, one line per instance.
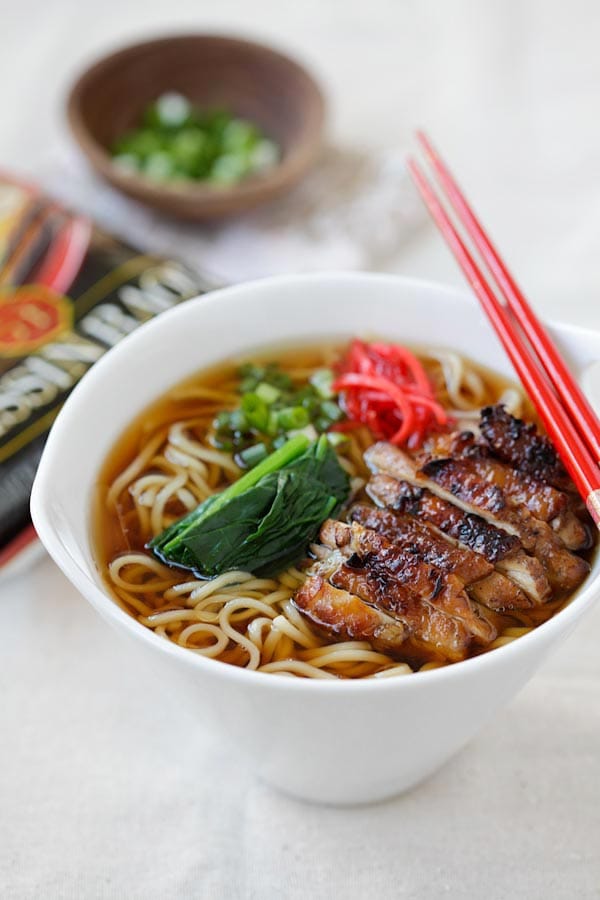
(264, 521)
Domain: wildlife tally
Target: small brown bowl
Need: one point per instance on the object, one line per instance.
(251, 80)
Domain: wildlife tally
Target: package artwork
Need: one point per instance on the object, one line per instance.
(68, 292)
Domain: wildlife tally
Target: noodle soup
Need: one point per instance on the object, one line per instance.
(171, 460)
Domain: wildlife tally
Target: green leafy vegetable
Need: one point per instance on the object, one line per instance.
(264, 521)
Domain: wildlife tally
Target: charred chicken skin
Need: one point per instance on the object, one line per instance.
(466, 529)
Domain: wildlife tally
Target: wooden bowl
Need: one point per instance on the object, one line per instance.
(250, 80)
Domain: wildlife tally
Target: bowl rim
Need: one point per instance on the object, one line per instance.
(109, 608)
(188, 191)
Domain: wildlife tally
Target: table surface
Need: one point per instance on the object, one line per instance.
(104, 794)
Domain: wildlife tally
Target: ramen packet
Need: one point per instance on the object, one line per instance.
(68, 293)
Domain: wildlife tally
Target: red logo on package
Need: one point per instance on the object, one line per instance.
(30, 316)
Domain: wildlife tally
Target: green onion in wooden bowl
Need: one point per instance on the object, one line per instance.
(176, 140)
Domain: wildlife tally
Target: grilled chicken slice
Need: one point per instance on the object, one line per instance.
(522, 446)
(528, 574)
(467, 530)
(342, 615)
(398, 568)
(573, 532)
(452, 482)
(454, 479)
(430, 632)
(500, 593)
(345, 617)
(422, 539)
(483, 584)
(504, 550)
(542, 500)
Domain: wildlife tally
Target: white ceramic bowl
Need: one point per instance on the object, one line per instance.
(333, 742)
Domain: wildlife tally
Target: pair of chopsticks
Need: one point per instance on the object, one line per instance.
(568, 418)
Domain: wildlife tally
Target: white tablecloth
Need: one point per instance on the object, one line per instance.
(106, 790)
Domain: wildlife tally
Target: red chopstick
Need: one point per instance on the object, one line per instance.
(574, 452)
(581, 412)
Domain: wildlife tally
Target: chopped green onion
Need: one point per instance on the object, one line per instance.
(228, 169)
(127, 162)
(251, 376)
(268, 393)
(249, 457)
(238, 421)
(331, 410)
(309, 431)
(159, 166)
(141, 144)
(239, 135)
(199, 144)
(307, 398)
(256, 411)
(322, 424)
(273, 406)
(189, 151)
(171, 110)
(264, 155)
(336, 438)
(249, 370)
(247, 384)
(273, 423)
(292, 418)
(277, 378)
(322, 380)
